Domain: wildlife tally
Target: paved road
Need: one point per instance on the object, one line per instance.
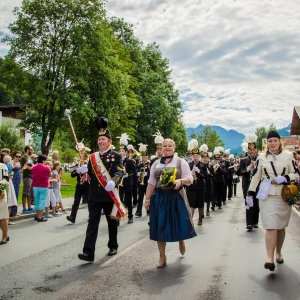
(222, 262)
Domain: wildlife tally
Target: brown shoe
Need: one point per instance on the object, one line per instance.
(270, 266)
(162, 262)
(182, 247)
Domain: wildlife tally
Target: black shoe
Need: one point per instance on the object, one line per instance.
(112, 252)
(7, 240)
(255, 226)
(213, 208)
(138, 215)
(130, 220)
(280, 260)
(249, 227)
(42, 219)
(71, 219)
(35, 218)
(86, 257)
(224, 203)
(220, 207)
(270, 266)
(229, 198)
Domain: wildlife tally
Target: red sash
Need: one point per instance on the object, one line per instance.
(103, 176)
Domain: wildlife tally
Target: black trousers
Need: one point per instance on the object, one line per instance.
(134, 189)
(142, 192)
(95, 209)
(218, 193)
(230, 188)
(224, 195)
(234, 188)
(252, 214)
(77, 197)
(125, 193)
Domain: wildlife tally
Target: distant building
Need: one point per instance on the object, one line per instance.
(10, 114)
(295, 128)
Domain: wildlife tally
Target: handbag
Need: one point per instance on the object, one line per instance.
(288, 192)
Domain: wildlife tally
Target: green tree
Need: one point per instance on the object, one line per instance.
(261, 133)
(68, 156)
(272, 127)
(75, 62)
(207, 136)
(10, 138)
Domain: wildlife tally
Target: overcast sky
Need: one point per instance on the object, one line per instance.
(236, 63)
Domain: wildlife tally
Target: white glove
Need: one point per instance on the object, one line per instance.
(125, 175)
(83, 169)
(110, 186)
(138, 174)
(280, 179)
(197, 169)
(145, 174)
(208, 172)
(78, 170)
(249, 201)
(217, 165)
(249, 168)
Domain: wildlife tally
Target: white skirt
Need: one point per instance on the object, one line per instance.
(275, 213)
(3, 209)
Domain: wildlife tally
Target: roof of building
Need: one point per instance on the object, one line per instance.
(295, 128)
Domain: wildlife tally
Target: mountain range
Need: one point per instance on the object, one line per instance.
(231, 138)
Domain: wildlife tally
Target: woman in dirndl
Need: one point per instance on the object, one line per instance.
(170, 217)
(279, 168)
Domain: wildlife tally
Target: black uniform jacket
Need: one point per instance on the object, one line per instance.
(85, 185)
(199, 181)
(219, 174)
(113, 163)
(129, 168)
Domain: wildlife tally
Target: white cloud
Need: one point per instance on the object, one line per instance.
(235, 62)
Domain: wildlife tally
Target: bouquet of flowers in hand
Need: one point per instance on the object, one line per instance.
(2, 189)
(168, 176)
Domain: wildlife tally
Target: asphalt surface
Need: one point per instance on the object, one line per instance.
(223, 262)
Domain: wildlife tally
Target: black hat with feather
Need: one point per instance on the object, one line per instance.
(102, 123)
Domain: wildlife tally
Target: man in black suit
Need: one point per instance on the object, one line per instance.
(99, 196)
(125, 186)
(247, 165)
(143, 172)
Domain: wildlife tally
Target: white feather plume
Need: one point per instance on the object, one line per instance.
(231, 156)
(158, 138)
(209, 154)
(244, 146)
(142, 147)
(203, 148)
(227, 151)
(221, 149)
(123, 139)
(193, 144)
(130, 147)
(217, 151)
(251, 138)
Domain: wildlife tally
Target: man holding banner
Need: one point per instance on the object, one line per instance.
(105, 170)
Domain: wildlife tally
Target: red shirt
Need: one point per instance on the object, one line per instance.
(40, 176)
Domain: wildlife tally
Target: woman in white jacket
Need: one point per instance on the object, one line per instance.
(279, 167)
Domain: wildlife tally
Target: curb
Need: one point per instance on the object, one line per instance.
(25, 217)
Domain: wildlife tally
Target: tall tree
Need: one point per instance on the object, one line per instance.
(68, 49)
(261, 133)
(10, 137)
(207, 136)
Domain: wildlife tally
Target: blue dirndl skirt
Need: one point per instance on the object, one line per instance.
(169, 217)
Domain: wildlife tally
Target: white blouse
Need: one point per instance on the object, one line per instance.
(184, 166)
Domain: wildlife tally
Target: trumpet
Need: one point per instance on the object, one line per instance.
(141, 178)
(216, 167)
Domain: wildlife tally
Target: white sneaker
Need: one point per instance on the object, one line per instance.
(48, 216)
(56, 214)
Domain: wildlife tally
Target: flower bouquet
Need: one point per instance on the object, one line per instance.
(2, 189)
(167, 177)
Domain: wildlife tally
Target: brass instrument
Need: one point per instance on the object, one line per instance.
(216, 167)
(141, 178)
(121, 182)
(194, 173)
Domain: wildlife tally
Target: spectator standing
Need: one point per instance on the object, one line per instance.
(34, 159)
(55, 156)
(40, 181)
(26, 167)
(3, 205)
(16, 180)
(56, 185)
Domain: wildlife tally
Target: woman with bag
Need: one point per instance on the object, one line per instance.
(274, 168)
(170, 218)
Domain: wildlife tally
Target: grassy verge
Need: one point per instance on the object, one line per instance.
(66, 191)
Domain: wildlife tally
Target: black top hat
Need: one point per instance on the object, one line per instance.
(102, 123)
